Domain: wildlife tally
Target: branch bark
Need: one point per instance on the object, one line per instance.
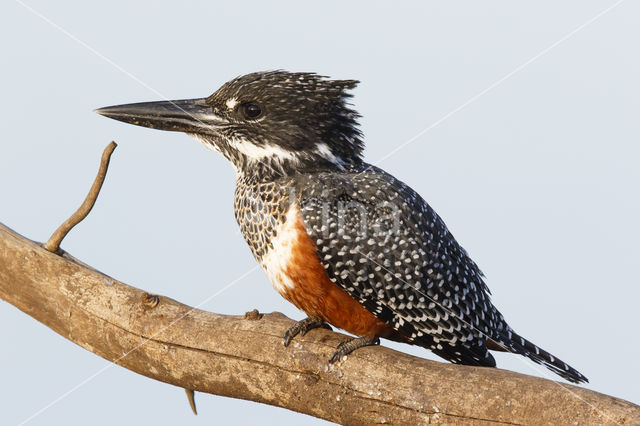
(243, 357)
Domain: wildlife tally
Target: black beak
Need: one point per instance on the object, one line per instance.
(188, 115)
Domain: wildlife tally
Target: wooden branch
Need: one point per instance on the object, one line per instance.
(243, 357)
(54, 242)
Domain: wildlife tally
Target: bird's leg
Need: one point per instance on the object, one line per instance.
(347, 346)
(301, 327)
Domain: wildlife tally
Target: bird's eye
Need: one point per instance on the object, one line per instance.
(251, 111)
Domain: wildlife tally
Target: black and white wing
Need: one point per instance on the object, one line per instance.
(384, 245)
(387, 248)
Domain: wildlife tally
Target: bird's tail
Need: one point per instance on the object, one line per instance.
(520, 345)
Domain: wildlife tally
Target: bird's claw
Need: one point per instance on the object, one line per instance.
(347, 346)
(337, 356)
(302, 327)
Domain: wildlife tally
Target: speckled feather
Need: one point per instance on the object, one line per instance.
(259, 208)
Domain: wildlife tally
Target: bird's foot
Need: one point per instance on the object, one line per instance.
(301, 327)
(347, 346)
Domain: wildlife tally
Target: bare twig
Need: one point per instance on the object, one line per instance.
(192, 400)
(54, 242)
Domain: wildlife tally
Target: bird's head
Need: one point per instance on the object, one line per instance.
(266, 123)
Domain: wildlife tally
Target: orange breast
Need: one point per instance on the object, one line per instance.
(297, 274)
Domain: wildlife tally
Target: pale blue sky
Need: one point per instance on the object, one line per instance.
(537, 178)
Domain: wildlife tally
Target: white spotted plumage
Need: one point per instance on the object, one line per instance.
(418, 278)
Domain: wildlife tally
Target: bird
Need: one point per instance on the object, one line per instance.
(347, 243)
